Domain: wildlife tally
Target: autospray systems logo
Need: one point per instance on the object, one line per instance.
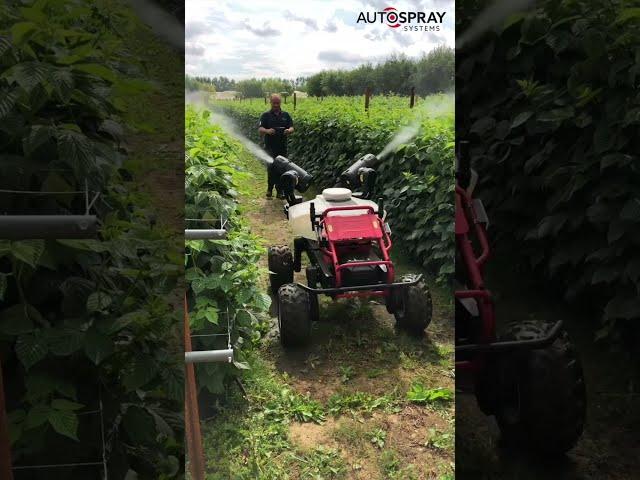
(407, 20)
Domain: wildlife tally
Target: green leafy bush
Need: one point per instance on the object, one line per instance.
(84, 324)
(223, 274)
(416, 179)
(552, 109)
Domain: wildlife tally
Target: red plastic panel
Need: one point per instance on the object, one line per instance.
(352, 227)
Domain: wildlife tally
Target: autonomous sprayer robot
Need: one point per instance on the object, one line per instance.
(347, 240)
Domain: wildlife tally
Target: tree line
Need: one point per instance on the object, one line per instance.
(431, 73)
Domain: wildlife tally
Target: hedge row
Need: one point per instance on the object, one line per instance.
(85, 325)
(553, 116)
(224, 295)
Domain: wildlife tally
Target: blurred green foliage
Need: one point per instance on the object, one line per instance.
(552, 110)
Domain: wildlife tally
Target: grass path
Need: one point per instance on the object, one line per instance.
(155, 149)
(339, 408)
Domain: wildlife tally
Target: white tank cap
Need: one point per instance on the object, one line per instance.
(336, 194)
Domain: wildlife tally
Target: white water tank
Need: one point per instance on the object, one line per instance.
(300, 220)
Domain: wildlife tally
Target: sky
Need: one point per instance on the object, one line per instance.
(285, 38)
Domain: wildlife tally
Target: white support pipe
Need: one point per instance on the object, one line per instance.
(205, 234)
(209, 356)
(22, 227)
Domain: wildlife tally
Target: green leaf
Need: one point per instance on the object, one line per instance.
(173, 383)
(65, 422)
(7, 102)
(21, 31)
(28, 251)
(28, 75)
(418, 393)
(98, 302)
(143, 370)
(520, 119)
(5, 45)
(88, 245)
(38, 415)
(3, 285)
(64, 341)
(18, 319)
(98, 346)
(63, 83)
(30, 349)
(138, 316)
(262, 301)
(139, 425)
(627, 14)
(96, 69)
(38, 135)
(76, 150)
(64, 404)
(483, 125)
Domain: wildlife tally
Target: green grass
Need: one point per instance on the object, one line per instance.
(362, 402)
(352, 433)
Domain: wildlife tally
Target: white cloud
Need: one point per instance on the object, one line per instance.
(288, 38)
(193, 49)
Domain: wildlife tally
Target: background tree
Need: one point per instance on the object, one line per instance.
(434, 72)
(251, 88)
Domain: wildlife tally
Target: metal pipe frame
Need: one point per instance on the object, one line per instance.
(206, 356)
(357, 288)
(51, 227)
(205, 234)
(507, 345)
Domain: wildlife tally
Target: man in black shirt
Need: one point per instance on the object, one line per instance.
(275, 125)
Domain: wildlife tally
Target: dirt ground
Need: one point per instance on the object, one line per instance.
(356, 351)
(156, 147)
(610, 446)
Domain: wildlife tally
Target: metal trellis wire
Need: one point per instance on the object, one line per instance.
(102, 462)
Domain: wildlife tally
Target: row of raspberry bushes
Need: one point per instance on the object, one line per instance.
(553, 114)
(223, 275)
(84, 324)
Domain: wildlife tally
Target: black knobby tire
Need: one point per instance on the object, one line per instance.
(542, 399)
(312, 281)
(412, 306)
(280, 262)
(294, 315)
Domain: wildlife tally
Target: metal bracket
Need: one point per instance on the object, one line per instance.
(206, 233)
(355, 288)
(510, 345)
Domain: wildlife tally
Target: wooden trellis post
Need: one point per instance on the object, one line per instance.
(412, 102)
(5, 449)
(367, 95)
(294, 100)
(192, 412)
